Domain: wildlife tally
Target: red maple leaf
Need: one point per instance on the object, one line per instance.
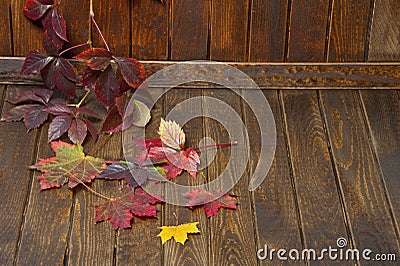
(202, 197)
(120, 211)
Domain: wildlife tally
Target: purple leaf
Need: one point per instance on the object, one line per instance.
(65, 77)
(58, 24)
(132, 71)
(92, 129)
(34, 62)
(17, 113)
(88, 112)
(106, 87)
(58, 127)
(96, 59)
(59, 109)
(89, 78)
(35, 117)
(26, 96)
(35, 9)
(47, 74)
(113, 122)
(77, 132)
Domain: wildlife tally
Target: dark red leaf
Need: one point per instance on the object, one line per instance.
(132, 71)
(59, 126)
(47, 2)
(34, 62)
(121, 102)
(120, 211)
(51, 42)
(96, 58)
(113, 121)
(34, 117)
(35, 9)
(58, 24)
(59, 109)
(77, 132)
(28, 96)
(17, 113)
(106, 87)
(89, 78)
(92, 129)
(45, 94)
(202, 197)
(187, 160)
(65, 77)
(48, 76)
(88, 112)
(171, 170)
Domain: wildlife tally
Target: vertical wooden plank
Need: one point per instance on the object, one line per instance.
(195, 251)
(229, 21)
(113, 18)
(150, 34)
(359, 175)
(5, 29)
(382, 112)
(315, 183)
(47, 220)
(26, 35)
(307, 30)
(17, 149)
(384, 43)
(189, 29)
(140, 245)
(268, 30)
(232, 232)
(76, 14)
(349, 28)
(276, 211)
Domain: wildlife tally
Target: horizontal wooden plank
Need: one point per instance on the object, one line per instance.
(266, 75)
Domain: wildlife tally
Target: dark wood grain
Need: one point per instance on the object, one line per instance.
(384, 124)
(150, 29)
(359, 174)
(6, 46)
(228, 37)
(26, 35)
(266, 75)
(384, 43)
(268, 31)
(232, 232)
(76, 14)
(348, 33)
(44, 236)
(276, 211)
(314, 180)
(113, 18)
(195, 251)
(17, 150)
(140, 245)
(189, 29)
(307, 30)
(89, 241)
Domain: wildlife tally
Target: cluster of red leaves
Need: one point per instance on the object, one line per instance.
(109, 76)
(34, 107)
(202, 198)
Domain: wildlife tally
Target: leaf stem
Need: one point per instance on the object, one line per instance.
(99, 31)
(99, 146)
(73, 47)
(91, 190)
(229, 144)
(90, 24)
(83, 98)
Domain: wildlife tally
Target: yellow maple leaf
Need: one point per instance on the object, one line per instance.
(179, 232)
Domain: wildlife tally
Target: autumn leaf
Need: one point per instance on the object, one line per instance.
(133, 174)
(70, 165)
(179, 232)
(120, 211)
(202, 197)
(171, 134)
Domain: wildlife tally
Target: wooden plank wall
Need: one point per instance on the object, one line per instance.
(239, 30)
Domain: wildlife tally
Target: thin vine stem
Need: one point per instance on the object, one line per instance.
(90, 24)
(73, 47)
(99, 31)
(91, 190)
